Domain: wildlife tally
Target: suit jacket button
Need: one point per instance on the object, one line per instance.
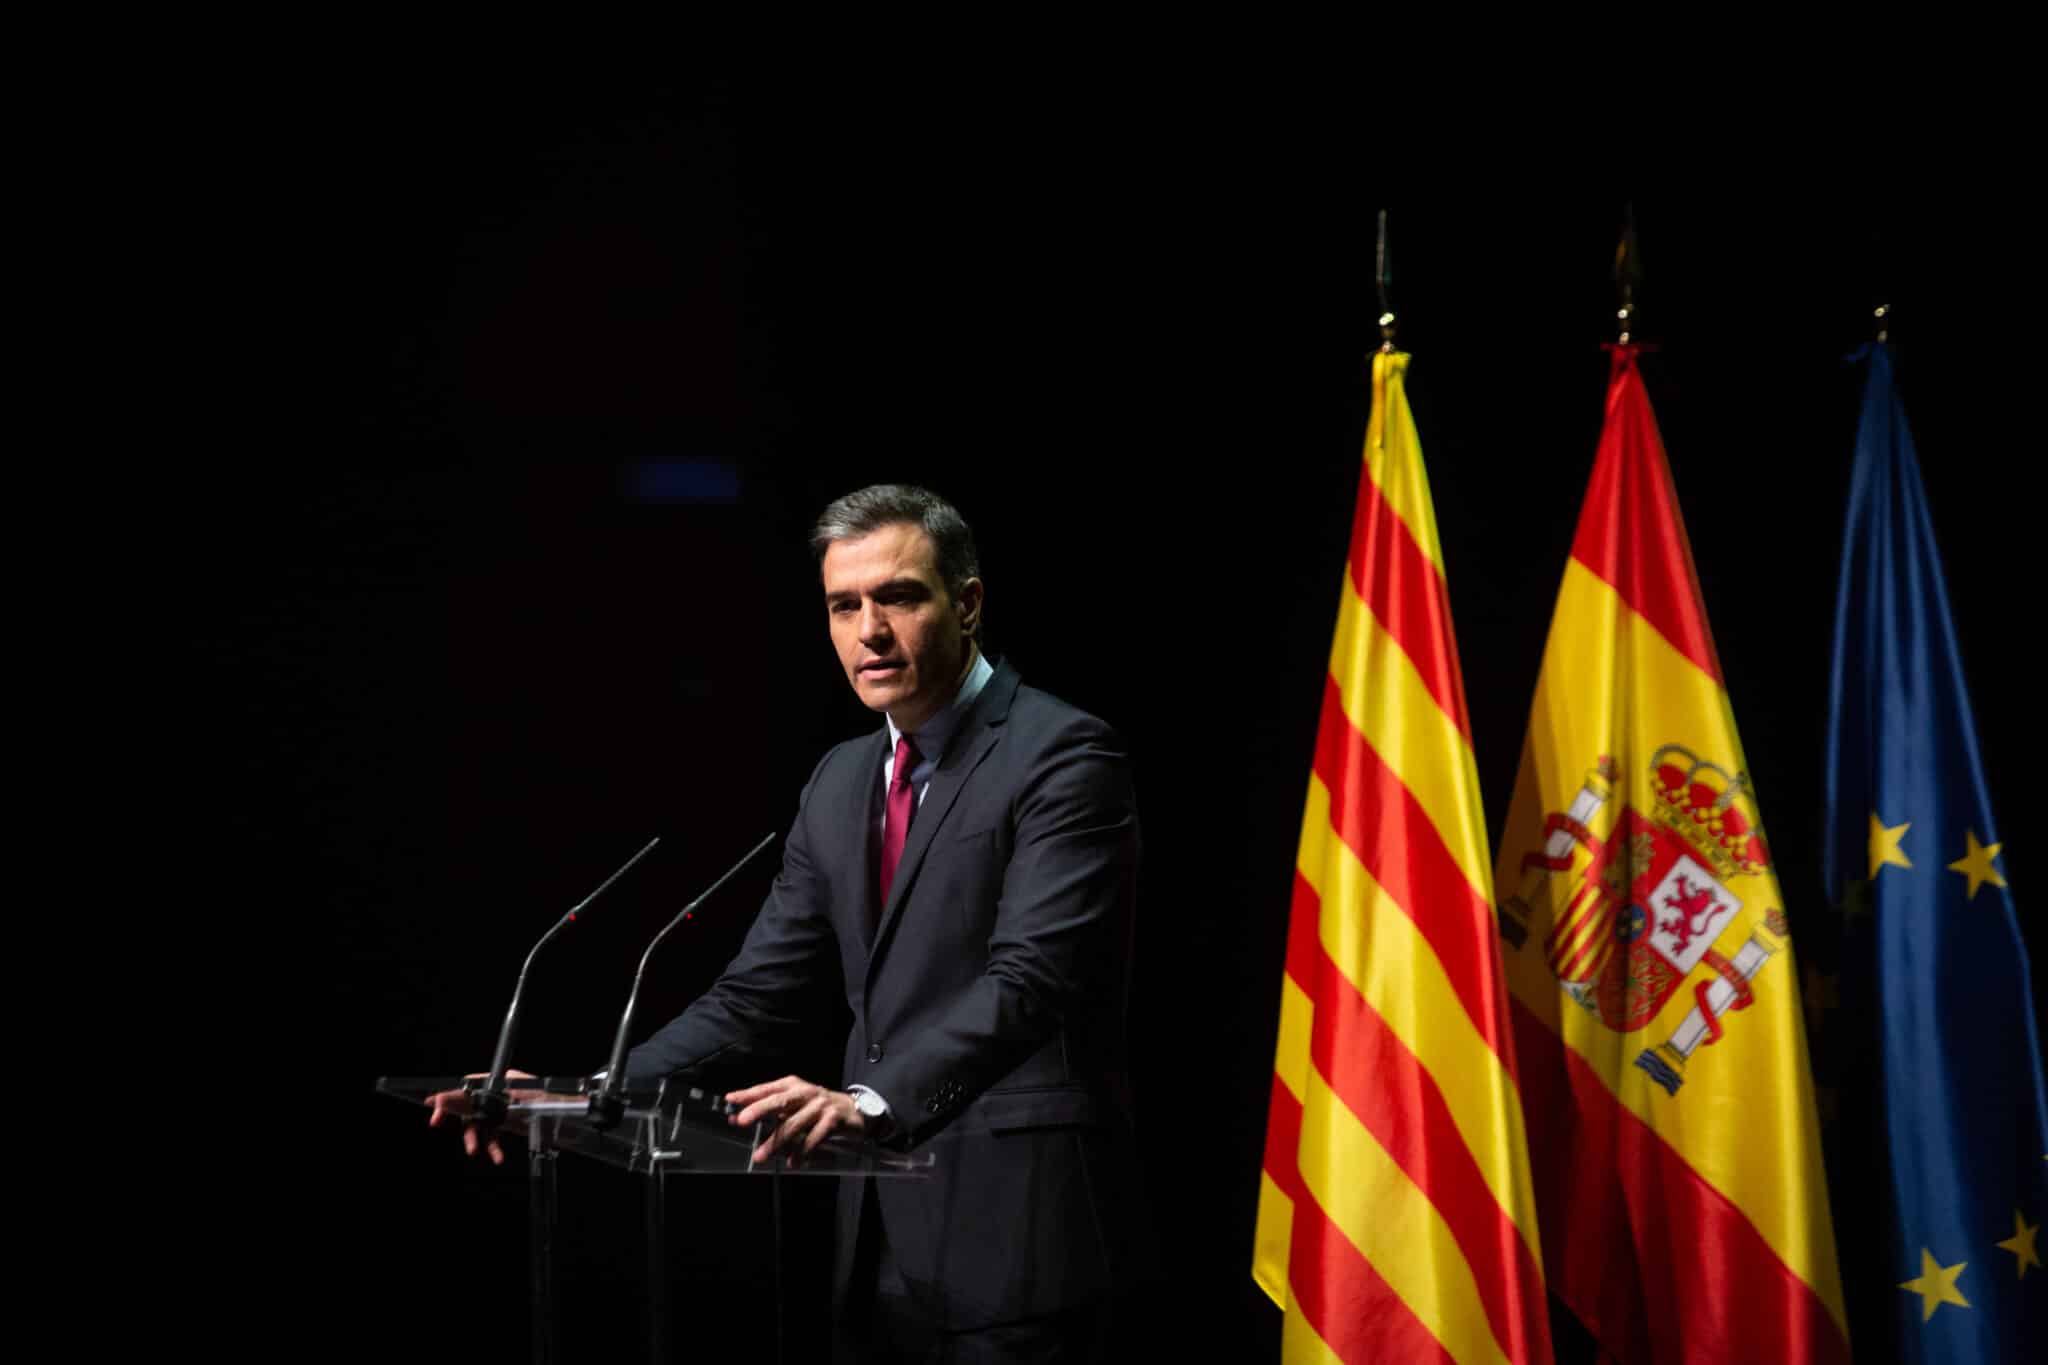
(874, 1052)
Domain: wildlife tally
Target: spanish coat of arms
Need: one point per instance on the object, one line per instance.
(1647, 909)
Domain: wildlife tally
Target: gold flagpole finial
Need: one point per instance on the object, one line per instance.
(1881, 318)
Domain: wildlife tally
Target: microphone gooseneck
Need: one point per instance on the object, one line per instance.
(606, 1106)
(489, 1099)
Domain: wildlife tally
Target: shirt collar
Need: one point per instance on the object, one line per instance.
(932, 737)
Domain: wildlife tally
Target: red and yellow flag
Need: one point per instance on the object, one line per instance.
(1658, 1038)
(1396, 1216)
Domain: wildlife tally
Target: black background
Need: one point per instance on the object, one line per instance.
(467, 669)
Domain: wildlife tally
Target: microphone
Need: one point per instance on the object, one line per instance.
(489, 1099)
(608, 1105)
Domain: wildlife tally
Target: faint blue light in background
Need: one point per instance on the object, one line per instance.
(681, 480)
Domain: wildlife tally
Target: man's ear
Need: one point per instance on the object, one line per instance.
(967, 602)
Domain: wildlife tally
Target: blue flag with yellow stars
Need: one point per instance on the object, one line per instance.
(1946, 1146)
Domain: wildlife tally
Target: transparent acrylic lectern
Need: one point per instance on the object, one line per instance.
(675, 1130)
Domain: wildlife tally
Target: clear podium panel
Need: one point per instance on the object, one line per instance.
(675, 1130)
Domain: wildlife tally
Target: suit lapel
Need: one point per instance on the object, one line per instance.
(977, 734)
(871, 837)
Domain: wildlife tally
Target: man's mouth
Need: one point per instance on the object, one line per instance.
(882, 666)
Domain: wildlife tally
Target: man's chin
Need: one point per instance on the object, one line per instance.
(880, 693)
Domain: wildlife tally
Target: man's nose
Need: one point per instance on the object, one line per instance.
(874, 624)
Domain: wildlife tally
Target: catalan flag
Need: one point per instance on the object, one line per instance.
(1396, 1219)
(1944, 1161)
(1658, 1033)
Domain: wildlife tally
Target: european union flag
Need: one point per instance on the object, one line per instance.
(1952, 1181)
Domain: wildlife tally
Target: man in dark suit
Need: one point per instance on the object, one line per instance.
(967, 874)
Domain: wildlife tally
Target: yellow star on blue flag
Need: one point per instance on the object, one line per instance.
(1884, 845)
(1936, 1284)
(1976, 864)
(2021, 1243)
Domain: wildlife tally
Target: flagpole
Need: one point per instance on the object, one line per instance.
(1628, 273)
(1383, 280)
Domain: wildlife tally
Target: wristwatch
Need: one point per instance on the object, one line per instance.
(873, 1110)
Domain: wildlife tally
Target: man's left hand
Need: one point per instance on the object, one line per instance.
(805, 1111)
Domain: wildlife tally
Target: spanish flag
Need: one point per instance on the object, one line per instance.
(1658, 1035)
(1396, 1216)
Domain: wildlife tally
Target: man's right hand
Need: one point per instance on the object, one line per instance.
(452, 1106)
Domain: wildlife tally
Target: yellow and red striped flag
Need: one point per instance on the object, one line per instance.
(1396, 1217)
(1658, 1037)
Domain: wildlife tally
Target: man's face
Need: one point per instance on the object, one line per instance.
(902, 638)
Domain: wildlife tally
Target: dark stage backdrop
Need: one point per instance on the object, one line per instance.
(513, 573)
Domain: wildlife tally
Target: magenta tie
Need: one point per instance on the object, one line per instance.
(896, 821)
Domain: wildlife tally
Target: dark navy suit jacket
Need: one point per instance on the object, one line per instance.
(987, 999)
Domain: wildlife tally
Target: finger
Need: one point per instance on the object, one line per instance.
(809, 1127)
(497, 1153)
(754, 1092)
(768, 1107)
(779, 1104)
(469, 1141)
(756, 1107)
(788, 1130)
(749, 1093)
(796, 1136)
(821, 1130)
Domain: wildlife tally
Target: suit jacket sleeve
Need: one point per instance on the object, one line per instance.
(1061, 937)
(773, 991)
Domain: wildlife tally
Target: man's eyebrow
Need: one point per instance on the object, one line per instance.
(895, 585)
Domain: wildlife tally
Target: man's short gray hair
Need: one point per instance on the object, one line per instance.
(888, 504)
